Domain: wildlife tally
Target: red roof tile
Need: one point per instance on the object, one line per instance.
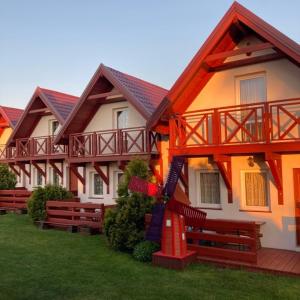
(148, 95)
(12, 114)
(61, 102)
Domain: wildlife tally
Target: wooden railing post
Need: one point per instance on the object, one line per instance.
(172, 124)
(120, 141)
(94, 144)
(216, 127)
(70, 146)
(30, 147)
(267, 123)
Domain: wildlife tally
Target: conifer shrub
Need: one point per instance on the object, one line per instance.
(37, 203)
(124, 225)
(143, 251)
(8, 179)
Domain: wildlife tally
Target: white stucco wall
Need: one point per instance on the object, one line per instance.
(43, 126)
(105, 119)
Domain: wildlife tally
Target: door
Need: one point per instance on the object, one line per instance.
(297, 203)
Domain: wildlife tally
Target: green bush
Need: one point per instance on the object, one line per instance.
(8, 179)
(37, 202)
(143, 251)
(124, 224)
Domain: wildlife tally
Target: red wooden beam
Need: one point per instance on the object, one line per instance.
(244, 50)
(17, 172)
(104, 177)
(224, 164)
(36, 165)
(275, 164)
(22, 166)
(246, 62)
(104, 95)
(57, 170)
(81, 178)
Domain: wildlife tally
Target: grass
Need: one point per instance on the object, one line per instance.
(51, 264)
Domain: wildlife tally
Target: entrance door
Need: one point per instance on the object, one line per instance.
(297, 203)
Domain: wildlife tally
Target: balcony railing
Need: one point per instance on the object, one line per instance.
(258, 123)
(129, 141)
(7, 153)
(38, 147)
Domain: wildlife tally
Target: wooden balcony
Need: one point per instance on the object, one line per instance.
(272, 126)
(116, 144)
(7, 153)
(39, 148)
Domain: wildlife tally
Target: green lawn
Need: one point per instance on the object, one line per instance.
(53, 264)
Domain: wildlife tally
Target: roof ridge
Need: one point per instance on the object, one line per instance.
(137, 78)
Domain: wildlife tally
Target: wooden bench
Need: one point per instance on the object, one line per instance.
(74, 216)
(14, 200)
(219, 239)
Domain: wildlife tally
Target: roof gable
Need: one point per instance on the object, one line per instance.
(43, 101)
(11, 115)
(144, 96)
(232, 28)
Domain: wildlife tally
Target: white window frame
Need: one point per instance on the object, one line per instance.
(116, 183)
(116, 111)
(198, 190)
(36, 172)
(92, 190)
(51, 122)
(240, 78)
(243, 205)
(52, 171)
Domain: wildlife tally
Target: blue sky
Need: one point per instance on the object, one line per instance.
(58, 44)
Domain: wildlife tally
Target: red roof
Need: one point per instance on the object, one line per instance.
(11, 114)
(195, 76)
(59, 104)
(143, 95)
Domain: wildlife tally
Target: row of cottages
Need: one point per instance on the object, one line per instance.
(84, 143)
(9, 118)
(234, 114)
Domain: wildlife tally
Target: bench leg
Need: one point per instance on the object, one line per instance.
(43, 225)
(2, 211)
(72, 229)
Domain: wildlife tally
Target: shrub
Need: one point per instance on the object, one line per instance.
(8, 179)
(37, 202)
(143, 251)
(124, 225)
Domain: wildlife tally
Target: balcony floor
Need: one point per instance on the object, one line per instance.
(268, 260)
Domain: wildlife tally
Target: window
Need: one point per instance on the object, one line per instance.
(55, 177)
(39, 178)
(118, 177)
(208, 184)
(97, 185)
(121, 118)
(53, 127)
(255, 192)
(252, 89)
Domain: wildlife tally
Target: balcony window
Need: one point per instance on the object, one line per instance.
(208, 185)
(53, 127)
(121, 117)
(252, 89)
(255, 191)
(38, 178)
(55, 178)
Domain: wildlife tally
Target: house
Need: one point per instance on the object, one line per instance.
(9, 117)
(106, 129)
(37, 160)
(234, 114)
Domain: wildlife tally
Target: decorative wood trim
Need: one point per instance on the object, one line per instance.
(256, 211)
(244, 50)
(104, 177)
(22, 166)
(17, 172)
(57, 170)
(275, 164)
(246, 62)
(36, 165)
(224, 165)
(104, 95)
(75, 171)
